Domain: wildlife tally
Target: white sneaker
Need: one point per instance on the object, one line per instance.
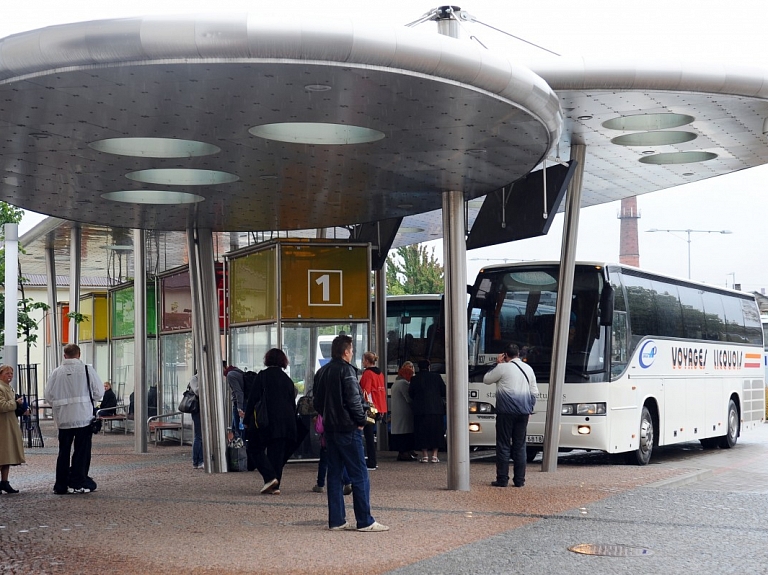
(346, 527)
(375, 526)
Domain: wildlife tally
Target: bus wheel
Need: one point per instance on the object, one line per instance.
(642, 455)
(729, 439)
(531, 453)
(710, 442)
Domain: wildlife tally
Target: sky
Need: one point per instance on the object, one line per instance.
(702, 30)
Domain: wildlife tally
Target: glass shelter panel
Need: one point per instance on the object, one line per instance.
(249, 344)
(176, 355)
(176, 301)
(253, 287)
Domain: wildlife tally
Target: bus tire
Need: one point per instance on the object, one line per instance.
(710, 442)
(531, 453)
(642, 455)
(729, 439)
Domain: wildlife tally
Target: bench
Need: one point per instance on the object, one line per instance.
(157, 426)
(44, 406)
(117, 414)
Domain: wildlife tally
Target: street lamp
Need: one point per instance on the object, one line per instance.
(689, 232)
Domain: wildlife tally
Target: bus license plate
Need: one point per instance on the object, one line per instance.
(534, 439)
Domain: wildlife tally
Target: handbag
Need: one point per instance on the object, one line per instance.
(305, 407)
(237, 456)
(260, 415)
(95, 424)
(371, 413)
(21, 409)
(189, 402)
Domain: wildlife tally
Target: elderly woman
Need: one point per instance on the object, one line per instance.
(401, 439)
(11, 446)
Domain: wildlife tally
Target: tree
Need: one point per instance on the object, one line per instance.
(26, 324)
(414, 270)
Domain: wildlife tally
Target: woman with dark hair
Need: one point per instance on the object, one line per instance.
(267, 443)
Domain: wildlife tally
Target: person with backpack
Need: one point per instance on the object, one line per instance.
(236, 383)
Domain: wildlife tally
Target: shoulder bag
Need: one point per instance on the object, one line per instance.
(96, 421)
(189, 402)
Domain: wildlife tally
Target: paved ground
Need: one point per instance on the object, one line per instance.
(689, 511)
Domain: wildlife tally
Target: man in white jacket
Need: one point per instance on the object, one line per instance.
(71, 391)
(516, 392)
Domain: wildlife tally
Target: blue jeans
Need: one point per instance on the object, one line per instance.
(197, 443)
(322, 469)
(510, 428)
(346, 450)
(236, 432)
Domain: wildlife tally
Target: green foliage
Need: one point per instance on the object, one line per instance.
(77, 317)
(414, 270)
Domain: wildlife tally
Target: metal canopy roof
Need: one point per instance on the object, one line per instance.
(453, 116)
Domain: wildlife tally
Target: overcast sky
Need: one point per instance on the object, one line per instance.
(704, 30)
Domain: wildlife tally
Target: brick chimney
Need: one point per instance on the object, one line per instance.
(629, 250)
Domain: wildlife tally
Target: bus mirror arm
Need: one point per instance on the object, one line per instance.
(606, 305)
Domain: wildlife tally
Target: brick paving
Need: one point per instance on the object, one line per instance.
(154, 513)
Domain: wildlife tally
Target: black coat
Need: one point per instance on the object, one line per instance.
(338, 397)
(427, 391)
(109, 401)
(280, 393)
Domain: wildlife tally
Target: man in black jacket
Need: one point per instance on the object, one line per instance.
(338, 399)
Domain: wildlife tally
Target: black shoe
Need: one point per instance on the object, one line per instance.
(5, 486)
(63, 491)
(499, 484)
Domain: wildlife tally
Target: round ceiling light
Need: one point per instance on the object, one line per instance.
(678, 158)
(648, 122)
(654, 138)
(182, 177)
(156, 197)
(154, 147)
(410, 230)
(316, 133)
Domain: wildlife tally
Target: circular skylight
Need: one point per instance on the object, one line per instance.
(410, 230)
(182, 177)
(678, 158)
(316, 133)
(154, 147)
(654, 138)
(648, 122)
(156, 197)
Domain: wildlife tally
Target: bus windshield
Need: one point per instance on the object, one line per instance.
(414, 332)
(517, 305)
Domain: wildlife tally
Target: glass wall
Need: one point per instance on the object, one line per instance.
(178, 369)
(250, 343)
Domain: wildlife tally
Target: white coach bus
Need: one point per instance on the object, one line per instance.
(651, 360)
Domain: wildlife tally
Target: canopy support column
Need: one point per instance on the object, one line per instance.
(380, 293)
(51, 285)
(141, 409)
(563, 311)
(75, 257)
(11, 350)
(457, 364)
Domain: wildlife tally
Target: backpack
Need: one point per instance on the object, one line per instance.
(249, 380)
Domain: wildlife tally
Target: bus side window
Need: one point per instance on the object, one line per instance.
(619, 344)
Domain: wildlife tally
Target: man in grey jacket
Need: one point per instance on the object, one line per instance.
(71, 390)
(516, 392)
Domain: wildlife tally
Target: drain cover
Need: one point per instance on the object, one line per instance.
(610, 550)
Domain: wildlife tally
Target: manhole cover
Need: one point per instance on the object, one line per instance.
(610, 550)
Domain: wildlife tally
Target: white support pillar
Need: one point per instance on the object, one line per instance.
(11, 351)
(141, 411)
(563, 311)
(75, 257)
(207, 344)
(52, 287)
(457, 364)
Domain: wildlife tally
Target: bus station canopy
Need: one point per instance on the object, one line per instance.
(239, 123)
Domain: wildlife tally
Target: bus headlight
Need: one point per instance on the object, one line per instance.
(583, 409)
(475, 428)
(480, 407)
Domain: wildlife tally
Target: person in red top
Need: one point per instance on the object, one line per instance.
(375, 387)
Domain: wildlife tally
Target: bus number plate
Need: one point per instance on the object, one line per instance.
(534, 439)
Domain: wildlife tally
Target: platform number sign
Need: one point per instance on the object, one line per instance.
(325, 288)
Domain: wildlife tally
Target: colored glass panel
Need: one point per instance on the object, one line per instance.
(253, 287)
(86, 326)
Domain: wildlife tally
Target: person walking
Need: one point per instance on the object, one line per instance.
(236, 383)
(427, 391)
(401, 439)
(71, 391)
(374, 390)
(338, 398)
(268, 443)
(516, 392)
(11, 444)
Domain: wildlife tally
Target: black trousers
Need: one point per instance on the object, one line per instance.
(74, 473)
(511, 429)
(269, 457)
(370, 444)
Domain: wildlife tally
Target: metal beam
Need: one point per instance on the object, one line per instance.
(563, 311)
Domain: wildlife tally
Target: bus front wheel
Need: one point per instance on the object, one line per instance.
(729, 439)
(642, 455)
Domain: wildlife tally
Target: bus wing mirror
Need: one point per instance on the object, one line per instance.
(406, 319)
(606, 305)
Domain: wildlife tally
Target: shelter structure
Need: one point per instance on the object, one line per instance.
(238, 123)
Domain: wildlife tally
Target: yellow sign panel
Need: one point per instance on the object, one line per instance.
(86, 327)
(100, 318)
(324, 282)
(253, 287)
